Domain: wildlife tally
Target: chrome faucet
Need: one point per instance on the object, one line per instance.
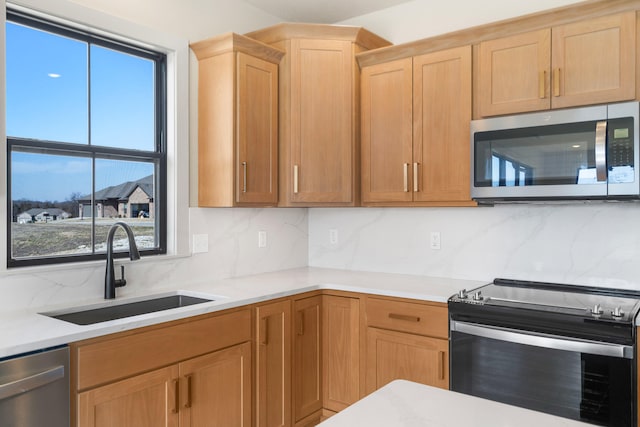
(110, 281)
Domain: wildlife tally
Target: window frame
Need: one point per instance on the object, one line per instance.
(95, 152)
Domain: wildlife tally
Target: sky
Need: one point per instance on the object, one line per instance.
(48, 98)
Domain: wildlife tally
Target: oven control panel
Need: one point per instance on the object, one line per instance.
(469, 297)
(572, 303)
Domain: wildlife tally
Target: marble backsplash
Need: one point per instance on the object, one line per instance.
(233, 251)
(592, 243)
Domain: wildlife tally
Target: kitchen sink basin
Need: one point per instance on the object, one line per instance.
(89, 316)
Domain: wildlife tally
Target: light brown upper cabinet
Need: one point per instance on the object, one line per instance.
(586, 62)
(237, 122)
(415, 130)
(319, 111)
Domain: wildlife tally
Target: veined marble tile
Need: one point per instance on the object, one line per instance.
(588, 243)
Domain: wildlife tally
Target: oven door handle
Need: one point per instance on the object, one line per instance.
(544, 340)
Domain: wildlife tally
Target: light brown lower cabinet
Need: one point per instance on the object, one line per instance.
(146, 400)
(307, 360)
(287, 363)
(341, 351)
(326, 353)
(406, 339)
(212, 390)
(273, 364)
(192, 372)
(216, 388)
(395, 355)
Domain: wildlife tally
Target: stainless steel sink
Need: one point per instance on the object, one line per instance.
(93, 314)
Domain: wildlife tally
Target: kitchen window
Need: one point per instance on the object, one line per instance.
(85, 124)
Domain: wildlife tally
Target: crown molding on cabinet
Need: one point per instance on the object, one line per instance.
(535, 21)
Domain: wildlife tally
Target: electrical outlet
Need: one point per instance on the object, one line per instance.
(435, 240)
(333, 236)
(200, 243)
(262, 239)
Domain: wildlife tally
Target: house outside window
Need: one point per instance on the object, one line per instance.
(85, 119)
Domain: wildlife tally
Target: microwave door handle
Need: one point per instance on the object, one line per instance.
(601, 151)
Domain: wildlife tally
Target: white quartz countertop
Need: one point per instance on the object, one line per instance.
(407, 404)
(26, 330)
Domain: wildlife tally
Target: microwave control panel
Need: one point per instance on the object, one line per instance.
(620, 143)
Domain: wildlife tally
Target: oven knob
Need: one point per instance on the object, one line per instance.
(462, 294)
(478, 296)
(596, 310)
(617, 312)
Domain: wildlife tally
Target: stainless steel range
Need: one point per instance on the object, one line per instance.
(562, 349)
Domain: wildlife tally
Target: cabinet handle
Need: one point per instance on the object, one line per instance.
(187, 404)
(541, 83)
(415, 177)
(176, 396)
(295, 179)
(244, 177)
(441, 365)
(406, 177)
(404, 317)
(264, 325)
(556, 82)
(300, 322)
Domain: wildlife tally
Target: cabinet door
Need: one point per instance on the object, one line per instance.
(216, 388)
(341, 351)
(257, 139)
(307, 361)
(514, 73)
(216, 120)
(146, 400)
(273, 364)
(387, 133)
(594, 61)
(322, 142)
(441, 119)
(396, 355)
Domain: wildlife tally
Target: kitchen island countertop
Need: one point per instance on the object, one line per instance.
(407, 404)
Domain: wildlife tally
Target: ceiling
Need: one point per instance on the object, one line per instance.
(321, 11)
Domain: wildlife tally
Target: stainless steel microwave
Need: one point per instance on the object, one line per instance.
(580, 153)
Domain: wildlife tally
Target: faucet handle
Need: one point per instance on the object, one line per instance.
(122, 281)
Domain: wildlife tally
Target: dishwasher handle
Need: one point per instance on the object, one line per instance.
(32, 382)
(544, 340)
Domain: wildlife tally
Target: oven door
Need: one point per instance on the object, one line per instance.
(583, 380)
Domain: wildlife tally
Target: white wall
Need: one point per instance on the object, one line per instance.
(232, 233)
(584, 243)
(419, 19)
(518, 241)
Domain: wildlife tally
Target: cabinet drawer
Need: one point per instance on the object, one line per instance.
(409, 317)
(107, 360)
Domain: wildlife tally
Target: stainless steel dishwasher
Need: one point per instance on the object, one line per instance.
(34, 389)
